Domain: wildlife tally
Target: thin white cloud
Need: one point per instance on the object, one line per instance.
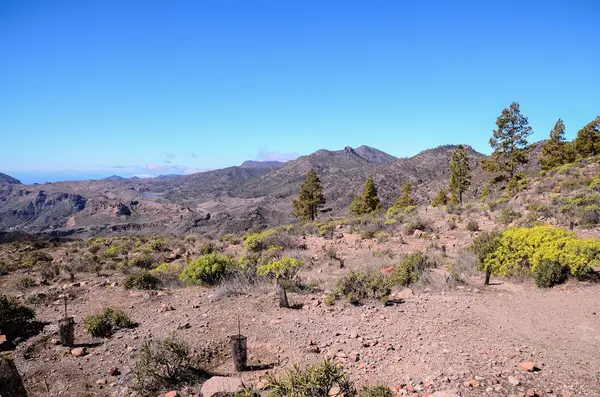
(264, 154)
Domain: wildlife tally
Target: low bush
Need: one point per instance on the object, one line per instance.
(113, 252)
(104, 325)
(376, 391)
(410, 268)
(142, 280)
(163, 364)
(11, 312)
(257, 242)
(473, 226)
(207, 270)
(521, 251)
(549, 273)
(37, 257)
(24, 284)
(508, 215)
(143, 261)
(355, 287)
(208, 248)
(315, 381)
(418, 223)
(168, 273)
(159, 245)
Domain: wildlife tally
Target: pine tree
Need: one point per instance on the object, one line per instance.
(509, 142)
(310, 197)
(441, 198)
(368, 201)
(587, 142)
(557, 151)
(406, 199)
(460, 174)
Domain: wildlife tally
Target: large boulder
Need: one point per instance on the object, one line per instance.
(221, 386)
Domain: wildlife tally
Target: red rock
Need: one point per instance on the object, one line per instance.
(313, 349)
(387, 270)
(473, 383)
(410, 388)
(5, 345)
(533, 393)
(528, 366)
(171, 393)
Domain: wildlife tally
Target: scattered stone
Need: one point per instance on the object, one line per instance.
(514, 381)
(220, 386)
(184, 326)
(529, 366)
(171, 393)
(532, 393)
(78, 352)
(101, 382)
(313, 349)
(447, 393)
(114, 371)
(166, 308)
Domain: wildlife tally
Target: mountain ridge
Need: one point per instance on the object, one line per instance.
(227, 200)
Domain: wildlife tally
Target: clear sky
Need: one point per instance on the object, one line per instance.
(95, 88)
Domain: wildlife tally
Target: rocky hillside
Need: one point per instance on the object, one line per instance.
(7, 179)
(233, 199)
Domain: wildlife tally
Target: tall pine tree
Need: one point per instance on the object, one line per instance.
(460, 174)
(509, 142)
(557, 151)
(368, 201)
(310, 197)
(587, 142)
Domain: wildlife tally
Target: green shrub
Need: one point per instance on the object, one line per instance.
(484, 245)
(143, 261)
(36, 258)
(207, 270)
(11, 312)
(208, 248)
(417, 223)
(113, 252)
(159, 245)
(257, 242)
(473, 226)
(142, 280)
(549, 273)
(163, 364)
(376, 391)
(523, 250)
(316, 381)
(409, 269)
(231, 239)
(284, 269)
(508, 215)
(358, 286)
(104, 325)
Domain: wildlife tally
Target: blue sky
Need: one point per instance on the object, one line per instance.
(94, 88)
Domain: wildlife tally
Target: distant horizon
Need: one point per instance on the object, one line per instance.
(30, 177)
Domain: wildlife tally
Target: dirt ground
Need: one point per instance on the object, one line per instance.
(431, 341)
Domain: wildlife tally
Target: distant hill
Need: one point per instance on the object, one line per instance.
(262, 164)
(114, 178)
(9, 179)
(234, 199)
